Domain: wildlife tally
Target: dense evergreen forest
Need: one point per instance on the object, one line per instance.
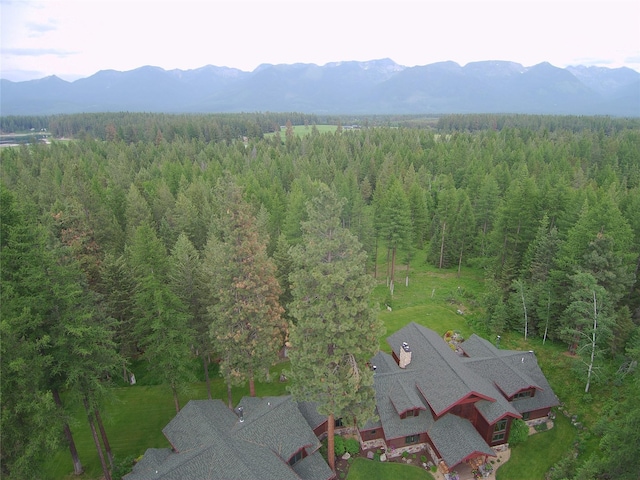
(116, 239)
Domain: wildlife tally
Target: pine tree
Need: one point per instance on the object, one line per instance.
(336, 331)
(162, 325)
(395, 224)
(29, 422)
(187, 282)
(247, 328)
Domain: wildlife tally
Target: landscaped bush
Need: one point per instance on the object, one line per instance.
(352, 446)
(541, 427)
(339, 446)
(519, 432)
(122, 467)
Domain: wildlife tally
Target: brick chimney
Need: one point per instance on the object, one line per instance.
(405, 355)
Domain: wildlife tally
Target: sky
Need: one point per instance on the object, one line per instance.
(77, 38)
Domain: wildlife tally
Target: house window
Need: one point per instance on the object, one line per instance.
(409, 413)
(338, 423)
(526, 415)
(525, 394)
(501, 426)
(411, 439)
(499, 431)
(297, 457)
(372, 432)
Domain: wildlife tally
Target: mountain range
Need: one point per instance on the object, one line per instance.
(371, 87)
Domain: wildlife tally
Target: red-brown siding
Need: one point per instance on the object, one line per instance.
(373, 434)
(400, 442)
(543, 412)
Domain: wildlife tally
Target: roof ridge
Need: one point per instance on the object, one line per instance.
(253, 418)
(455, 369)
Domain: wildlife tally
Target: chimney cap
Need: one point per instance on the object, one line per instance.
(405, 347)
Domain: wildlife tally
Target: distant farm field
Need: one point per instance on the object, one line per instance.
(302, 130)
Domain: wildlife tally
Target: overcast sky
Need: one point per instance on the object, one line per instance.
(77, 38)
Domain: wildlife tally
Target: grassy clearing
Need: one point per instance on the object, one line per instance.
(302, 130)
(134, 419)
(364, 469)
(432, 298)
(533, 458)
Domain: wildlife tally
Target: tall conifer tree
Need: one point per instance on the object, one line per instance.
(337, 332)
(247, 327)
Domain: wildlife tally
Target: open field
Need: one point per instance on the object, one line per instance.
(302, 130)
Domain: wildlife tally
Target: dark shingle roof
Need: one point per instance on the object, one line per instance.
(309, 411)
(313, 467)
(276, 423)
(212, 444)
(443, 380)
(392, 424)
(512, 371)
(456, 439)
(198, 423)
(405, 397)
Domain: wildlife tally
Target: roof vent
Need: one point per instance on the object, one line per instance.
(241, 414)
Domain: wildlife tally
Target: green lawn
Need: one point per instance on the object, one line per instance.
(532, 459)
(134, 419)
(364, 469)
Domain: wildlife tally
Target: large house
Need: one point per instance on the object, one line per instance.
(264, 438)
(457, 405)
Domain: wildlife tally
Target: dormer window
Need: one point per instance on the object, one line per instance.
(523, 394)
(299, 455)
(410, 413)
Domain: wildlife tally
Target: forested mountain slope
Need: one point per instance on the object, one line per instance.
(373, 87)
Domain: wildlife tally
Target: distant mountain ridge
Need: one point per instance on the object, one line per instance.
(352, 87)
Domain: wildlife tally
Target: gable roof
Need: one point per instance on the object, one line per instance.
(404, 397)
(457, 440)
(275, 422)
(442, 379)
(211, 443)
(511, 371)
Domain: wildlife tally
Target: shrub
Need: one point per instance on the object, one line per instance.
(324, 448)
(338, 446)
(541, 427)
(423, 458)
(352, 446)
(122, 467)
(405, 454)
(519, 432)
